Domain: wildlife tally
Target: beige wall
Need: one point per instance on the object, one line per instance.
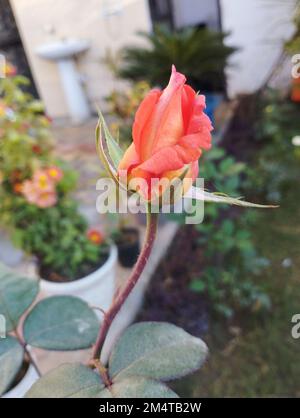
(80, 19)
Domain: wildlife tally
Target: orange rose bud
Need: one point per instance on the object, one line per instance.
(169, 133)
(95, 236)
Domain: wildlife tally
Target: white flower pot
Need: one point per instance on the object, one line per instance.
(24, 385)
(97, 289)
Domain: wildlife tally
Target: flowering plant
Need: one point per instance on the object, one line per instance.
(36, 207)
(147, 354)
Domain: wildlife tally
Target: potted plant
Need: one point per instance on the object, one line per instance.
(37, 210)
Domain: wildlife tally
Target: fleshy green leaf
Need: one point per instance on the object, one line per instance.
(16, 295)
(61, 323)
(138, 387)
(198, 194)
(11, 359)
(156, 350)
(114, 150)
(68, 381)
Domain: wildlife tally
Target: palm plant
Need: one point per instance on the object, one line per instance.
(198, 53)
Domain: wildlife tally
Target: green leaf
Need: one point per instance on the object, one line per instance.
(138, 387)
(68, 381)
(61, 323)
(16, 295)
(11, 359)
(114, 150)
(199, 194)
(156, 350)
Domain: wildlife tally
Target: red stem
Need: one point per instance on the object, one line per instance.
(129, 286)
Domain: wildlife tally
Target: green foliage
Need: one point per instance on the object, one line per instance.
(11, 359)
(159, 351)
(61, 323)
(276, 166)
(25, 140)
(58, 240)
(229, 253)
(200, 54)
(68, 381)
(139, 387)
(144, 354)
(16, 295)
(230, 258)
(55, 235)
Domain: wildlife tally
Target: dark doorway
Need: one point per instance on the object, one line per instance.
(11, 45)
(162, 12)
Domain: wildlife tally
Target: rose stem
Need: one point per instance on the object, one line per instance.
(151, 230)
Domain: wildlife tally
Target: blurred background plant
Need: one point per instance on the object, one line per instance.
(229, 254)
(36, 208)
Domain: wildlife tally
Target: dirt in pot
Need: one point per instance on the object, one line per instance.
(128, 243)
(20, 375)
(169, 297)
(66, 274)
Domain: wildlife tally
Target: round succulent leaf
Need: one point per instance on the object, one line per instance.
(11, 359)
(140, 387)
(68, 381)
(61, 323)
(17, 293)
(156, 350)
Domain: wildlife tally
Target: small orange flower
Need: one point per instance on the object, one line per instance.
(55, 173)
(95, 236)
(18, 187)
(10, 70)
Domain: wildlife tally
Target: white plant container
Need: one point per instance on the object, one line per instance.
(24, 385)
(97, 289)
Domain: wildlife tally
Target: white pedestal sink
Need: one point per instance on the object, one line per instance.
(63, 52)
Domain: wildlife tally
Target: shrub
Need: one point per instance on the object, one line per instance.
(198, 53)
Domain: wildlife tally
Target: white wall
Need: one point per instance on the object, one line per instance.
(259, 28)
(86, 19)
(193, 12)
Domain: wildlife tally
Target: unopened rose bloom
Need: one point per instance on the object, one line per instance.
(169, 133)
